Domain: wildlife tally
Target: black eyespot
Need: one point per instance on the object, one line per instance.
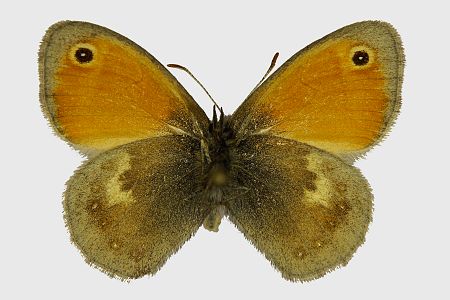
(84, 55)
(360, 58)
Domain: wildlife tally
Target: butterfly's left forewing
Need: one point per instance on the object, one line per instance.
(131, 207)
(100, 90)
(305, 209)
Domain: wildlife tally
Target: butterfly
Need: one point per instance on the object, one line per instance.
(280, 167)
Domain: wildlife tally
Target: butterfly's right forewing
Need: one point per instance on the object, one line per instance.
(326, 97)
(305, 209)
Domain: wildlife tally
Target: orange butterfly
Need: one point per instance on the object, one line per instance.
(280, 167)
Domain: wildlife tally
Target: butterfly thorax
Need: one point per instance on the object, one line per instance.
(216, 153)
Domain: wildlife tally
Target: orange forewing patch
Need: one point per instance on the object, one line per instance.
(118, 97)
(322, 98)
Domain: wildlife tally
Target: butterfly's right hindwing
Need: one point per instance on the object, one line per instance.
(131, 207)
(305, 209)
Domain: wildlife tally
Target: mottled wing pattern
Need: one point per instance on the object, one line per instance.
(340, 94)
(306, 210)
(131, 207)
(116, 94)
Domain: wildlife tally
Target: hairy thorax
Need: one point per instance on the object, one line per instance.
(216, 157)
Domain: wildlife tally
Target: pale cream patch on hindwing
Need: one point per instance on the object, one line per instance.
(114, 192)
(323, 193)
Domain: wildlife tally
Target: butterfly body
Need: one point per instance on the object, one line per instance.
(280, 167)
(216, 152)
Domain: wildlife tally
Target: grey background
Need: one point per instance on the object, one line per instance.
(228, 46)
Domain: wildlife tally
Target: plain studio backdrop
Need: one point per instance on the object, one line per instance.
(228, 46)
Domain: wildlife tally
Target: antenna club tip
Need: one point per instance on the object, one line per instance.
(174, 66)
(274, 59)
(196, 80)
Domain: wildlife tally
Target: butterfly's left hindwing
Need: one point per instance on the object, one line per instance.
(131, 207)
(305, 209)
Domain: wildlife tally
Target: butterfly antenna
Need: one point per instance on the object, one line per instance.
(272, 65)
(214, 116)
(192, 75)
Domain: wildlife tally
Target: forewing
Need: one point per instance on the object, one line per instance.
(306, 210)
(130, 208)
(100, 90)
(340, 94)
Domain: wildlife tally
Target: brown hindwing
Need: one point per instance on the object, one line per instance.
(305, 209)
(130, 208)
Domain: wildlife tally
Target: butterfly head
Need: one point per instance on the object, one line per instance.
(219, 130)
